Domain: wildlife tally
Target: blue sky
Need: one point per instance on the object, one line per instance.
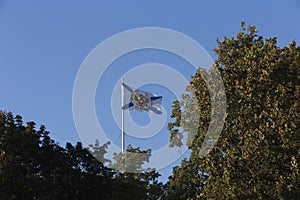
(43, 43)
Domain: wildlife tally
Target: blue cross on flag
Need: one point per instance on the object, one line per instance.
(141, 100)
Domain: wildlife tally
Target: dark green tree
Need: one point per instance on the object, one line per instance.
(33, 166)
(135, 181)
(257, 155)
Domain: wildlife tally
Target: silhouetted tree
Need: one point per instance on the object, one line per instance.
(33, 166)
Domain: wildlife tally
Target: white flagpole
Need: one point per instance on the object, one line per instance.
(123, 130)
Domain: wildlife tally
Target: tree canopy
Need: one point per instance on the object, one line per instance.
(257, 155)
(33, 166)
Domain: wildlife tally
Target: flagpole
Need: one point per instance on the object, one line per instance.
(123, 130)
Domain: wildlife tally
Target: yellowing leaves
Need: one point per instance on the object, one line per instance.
(261, 132)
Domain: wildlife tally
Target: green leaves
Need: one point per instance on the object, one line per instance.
(257, 155)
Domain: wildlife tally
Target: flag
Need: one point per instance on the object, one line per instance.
(141, 100)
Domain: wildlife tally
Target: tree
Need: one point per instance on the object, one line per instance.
(257, 155)
(33, 166)
(136, 182)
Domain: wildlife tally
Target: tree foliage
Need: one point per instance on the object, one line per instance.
(258, 153)
(33, 166)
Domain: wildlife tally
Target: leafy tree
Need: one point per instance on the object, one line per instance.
(136, 182)
(257, 155)
(33, 166)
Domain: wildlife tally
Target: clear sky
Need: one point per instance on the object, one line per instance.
(43, 43)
